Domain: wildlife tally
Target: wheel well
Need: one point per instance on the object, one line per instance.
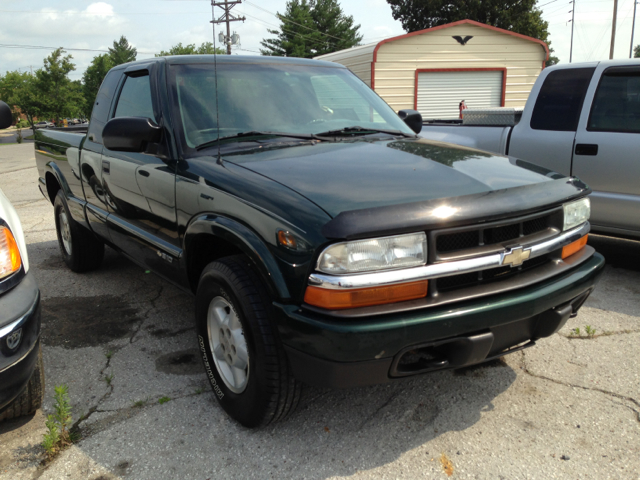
(52, 186)
(204, 249)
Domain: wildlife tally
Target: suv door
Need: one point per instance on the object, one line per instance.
(607, 151)
(546, 132)
(140, 187)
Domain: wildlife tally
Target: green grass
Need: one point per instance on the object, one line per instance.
(163, 400)
(108, 379)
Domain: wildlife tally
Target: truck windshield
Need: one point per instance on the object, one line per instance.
(287, 98)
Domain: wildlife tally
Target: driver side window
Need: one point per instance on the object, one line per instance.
(135, 98)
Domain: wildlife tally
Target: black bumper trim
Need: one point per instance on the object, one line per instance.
(450, 353)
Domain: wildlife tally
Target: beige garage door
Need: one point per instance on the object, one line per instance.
(439, 93)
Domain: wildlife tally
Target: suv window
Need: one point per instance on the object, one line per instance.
(135, 98)
(101, 106)
(616, 105)
(560, 100)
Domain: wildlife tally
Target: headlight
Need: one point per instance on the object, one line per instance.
(401, 251)
(10, 260)
(576, 213)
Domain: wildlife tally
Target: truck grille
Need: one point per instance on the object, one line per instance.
(447, 284)
(482, 239)
(491, 235)
(489, 238)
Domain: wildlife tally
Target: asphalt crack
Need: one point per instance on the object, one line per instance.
(598, 335)
(391, 398)
(146, 314)
(594, 389)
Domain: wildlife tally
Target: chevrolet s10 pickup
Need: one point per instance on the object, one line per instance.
(325, 242)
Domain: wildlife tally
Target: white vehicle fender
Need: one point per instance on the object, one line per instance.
(10, 216)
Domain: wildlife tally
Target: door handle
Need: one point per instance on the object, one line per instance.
(586, 149)
(144, 173)
(106, 167)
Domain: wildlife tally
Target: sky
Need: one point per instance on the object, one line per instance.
(153, 25)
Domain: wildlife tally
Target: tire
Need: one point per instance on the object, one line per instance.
(249, 372)
(31, 398)
(81, 250)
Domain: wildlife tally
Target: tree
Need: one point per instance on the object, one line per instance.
(122, 52)
(92, 79)
(553, 60)
(19, 91)
(310, 28)
(636, 52)
(191, 49)
(56, 95)
(520, 16)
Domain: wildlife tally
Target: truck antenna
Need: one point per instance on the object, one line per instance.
(215, 75)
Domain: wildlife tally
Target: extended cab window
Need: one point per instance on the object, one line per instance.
(616, 105)
(560, 100)
(135, 98)
(100, 112)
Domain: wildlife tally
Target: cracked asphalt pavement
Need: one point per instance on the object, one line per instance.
(123, 341)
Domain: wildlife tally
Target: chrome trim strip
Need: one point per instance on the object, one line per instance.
(145, 236)
(437, 270)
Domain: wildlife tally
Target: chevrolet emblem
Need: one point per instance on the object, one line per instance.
(516, 256)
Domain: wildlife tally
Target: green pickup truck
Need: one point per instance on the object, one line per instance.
(325, 242)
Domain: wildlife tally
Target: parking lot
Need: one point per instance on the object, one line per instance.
(123, 341)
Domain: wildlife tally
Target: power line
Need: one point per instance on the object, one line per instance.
(282, 19)
(111, 14)
(41, 47)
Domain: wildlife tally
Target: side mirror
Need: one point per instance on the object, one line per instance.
(412, 118)
(6, 119)
(130, 134)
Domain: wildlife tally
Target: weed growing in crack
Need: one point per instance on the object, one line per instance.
(58, 435)
(199, 391)
(140, 403)
(163, 400)
(109, 354)
(589, 331)
(108, 378)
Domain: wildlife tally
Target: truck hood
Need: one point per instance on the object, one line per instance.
(354, 175)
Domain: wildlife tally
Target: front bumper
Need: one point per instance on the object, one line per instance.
(19, 335)
(333, 352)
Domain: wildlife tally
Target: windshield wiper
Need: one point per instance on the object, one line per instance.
(357, 130)
(303, 136)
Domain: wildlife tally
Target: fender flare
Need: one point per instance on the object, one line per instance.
(247, 241)
(76, 205)
(52, 167)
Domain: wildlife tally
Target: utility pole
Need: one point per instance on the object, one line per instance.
(226, 17)
(633, 26)
(573, 16)
(613, 28)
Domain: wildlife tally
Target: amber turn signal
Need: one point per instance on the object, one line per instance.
(574, 247)
(364, 297)
(287, 240)
(10, 260)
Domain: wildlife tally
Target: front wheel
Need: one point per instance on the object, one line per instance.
(241, 351)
